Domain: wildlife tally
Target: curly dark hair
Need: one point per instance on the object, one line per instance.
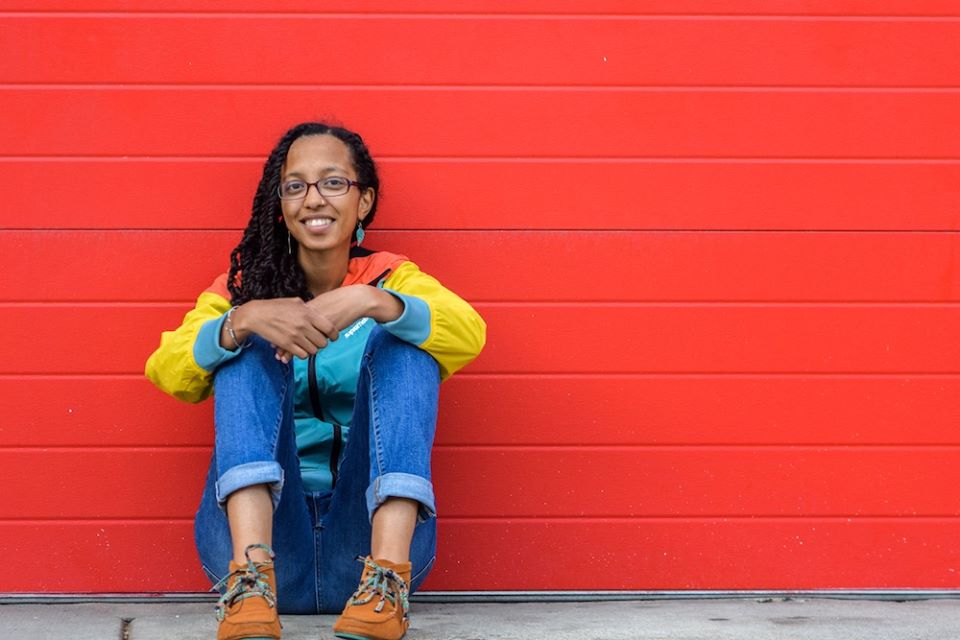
(268, 269)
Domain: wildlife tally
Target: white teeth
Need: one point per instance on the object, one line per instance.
(318, 222)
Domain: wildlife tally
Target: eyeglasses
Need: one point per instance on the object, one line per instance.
(328, 188)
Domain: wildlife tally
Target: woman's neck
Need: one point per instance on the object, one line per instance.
(326, 270)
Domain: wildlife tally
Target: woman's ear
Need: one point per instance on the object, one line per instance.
(367, 199)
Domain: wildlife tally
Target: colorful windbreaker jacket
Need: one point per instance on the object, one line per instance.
(434, 319)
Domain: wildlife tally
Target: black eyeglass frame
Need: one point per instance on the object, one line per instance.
(350, 183)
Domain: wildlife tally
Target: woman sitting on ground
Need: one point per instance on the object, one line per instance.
(309, 339)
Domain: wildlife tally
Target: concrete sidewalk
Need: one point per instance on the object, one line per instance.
(793, 619)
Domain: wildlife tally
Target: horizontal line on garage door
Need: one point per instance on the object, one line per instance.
(605, 304)
(466, 519)
(666, 446)
(512, 448)
(585, 374)
(413, 15)
(461, 231)
(538, 595)
(500, 230)
(523, 7)
(761, 374)
(578, 374)
(551, 519)
(61, 521)
(518, 159)
(99, 447)
(463, 375)
(708, 88)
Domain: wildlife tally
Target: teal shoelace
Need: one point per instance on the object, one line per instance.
(377, 583)
(250, 583)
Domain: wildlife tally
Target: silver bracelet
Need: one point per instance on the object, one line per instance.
(233, 336)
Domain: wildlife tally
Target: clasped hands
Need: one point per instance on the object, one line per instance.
(297, 328)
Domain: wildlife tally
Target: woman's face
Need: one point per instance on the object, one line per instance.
(316, 222)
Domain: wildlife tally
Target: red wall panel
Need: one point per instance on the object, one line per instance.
(557, 409)
(506, 50)
(550, 338)
(455, 193)
(664, 266)
(714, 242)
(669, 553)
(573, 481)
(584, 122)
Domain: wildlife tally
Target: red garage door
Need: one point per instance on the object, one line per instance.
(715, 243)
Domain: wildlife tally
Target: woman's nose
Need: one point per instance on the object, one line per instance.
(319, 199)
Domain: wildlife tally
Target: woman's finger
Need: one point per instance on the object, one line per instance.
(297, 350)
(326, 326)
(315, 338)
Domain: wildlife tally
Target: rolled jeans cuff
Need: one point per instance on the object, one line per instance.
(248, 474)
(402, 485)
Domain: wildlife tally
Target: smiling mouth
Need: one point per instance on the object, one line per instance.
(315, 223)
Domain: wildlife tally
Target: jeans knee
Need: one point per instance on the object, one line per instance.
(384, 347)
(257, 350)
(255, 367)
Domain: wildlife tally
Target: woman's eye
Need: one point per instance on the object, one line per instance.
(336, 183)
(293, 187)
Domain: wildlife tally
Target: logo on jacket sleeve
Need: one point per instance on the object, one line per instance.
(356, 327)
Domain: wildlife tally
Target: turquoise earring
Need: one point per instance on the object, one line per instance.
(360, 233)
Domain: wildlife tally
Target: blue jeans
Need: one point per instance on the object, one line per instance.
(318, 535)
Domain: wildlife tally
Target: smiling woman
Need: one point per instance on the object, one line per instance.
(311, 338)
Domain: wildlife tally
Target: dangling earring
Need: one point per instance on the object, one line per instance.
(360, 233)
(289, 248)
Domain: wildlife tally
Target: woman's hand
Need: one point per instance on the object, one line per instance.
(289, 324)
(345, 305)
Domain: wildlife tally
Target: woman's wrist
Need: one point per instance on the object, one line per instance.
(235, 329)
(386, 307)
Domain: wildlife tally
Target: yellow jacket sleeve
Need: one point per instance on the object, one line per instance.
(435, 319)
(184, 363)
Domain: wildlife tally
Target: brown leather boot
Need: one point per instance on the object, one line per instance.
(378, 609)
(248, 609)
